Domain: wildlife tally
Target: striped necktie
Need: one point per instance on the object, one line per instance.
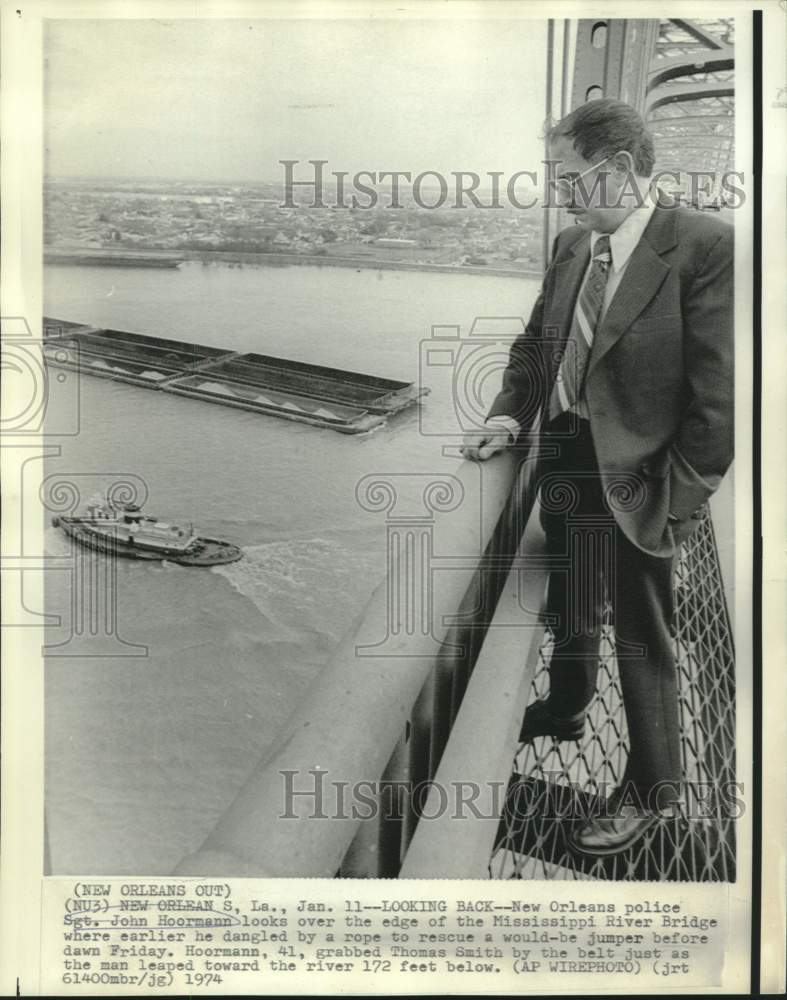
(571, 374)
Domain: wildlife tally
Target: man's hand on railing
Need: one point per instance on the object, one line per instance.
(481, 444)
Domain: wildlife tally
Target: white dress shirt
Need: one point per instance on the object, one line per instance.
(622, 243)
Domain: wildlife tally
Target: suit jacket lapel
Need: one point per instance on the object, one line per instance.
(568, 278)
(641, 280)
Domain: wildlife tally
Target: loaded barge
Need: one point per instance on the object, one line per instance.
(345, 401)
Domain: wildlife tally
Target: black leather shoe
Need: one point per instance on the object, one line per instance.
(539, 721)
(612, 833)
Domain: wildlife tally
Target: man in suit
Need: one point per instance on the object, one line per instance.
(630, 344)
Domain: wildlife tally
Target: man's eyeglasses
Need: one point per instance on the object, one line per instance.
(564, 187)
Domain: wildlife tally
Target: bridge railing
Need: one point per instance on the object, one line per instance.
(430, 727)
(378, 716)
(462, 812)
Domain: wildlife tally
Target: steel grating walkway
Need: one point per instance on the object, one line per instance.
(553, 781)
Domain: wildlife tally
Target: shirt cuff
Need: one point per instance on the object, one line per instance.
(507, 423)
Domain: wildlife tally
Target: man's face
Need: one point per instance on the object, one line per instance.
(587, 190)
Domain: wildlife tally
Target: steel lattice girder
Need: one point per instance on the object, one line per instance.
(698, 32)
(612, 59)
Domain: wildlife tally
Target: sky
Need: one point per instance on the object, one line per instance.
(225, 100)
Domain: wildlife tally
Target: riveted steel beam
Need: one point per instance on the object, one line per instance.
(678, 66)
(701, 35)
(687, 92)
(612, 59)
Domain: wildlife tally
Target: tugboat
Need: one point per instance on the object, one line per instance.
(121, 529)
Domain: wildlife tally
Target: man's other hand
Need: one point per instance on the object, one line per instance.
(479, 445)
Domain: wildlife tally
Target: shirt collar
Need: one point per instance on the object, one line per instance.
(628, 234)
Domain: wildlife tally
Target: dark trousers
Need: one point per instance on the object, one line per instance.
(591, 560)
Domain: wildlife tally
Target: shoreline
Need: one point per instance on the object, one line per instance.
(155, 258)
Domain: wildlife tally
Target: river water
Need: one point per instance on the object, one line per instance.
(144, 752)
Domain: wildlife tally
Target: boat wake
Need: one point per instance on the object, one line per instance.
(308, 590)
(312, 585)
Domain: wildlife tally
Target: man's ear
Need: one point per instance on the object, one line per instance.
(622, 163)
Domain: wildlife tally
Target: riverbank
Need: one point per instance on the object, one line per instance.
(150, 258)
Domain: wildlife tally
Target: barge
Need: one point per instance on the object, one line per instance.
(345, 401)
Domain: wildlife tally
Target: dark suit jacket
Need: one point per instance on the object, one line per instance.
(659, 383)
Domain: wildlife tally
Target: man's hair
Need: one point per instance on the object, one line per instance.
(606, 127)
